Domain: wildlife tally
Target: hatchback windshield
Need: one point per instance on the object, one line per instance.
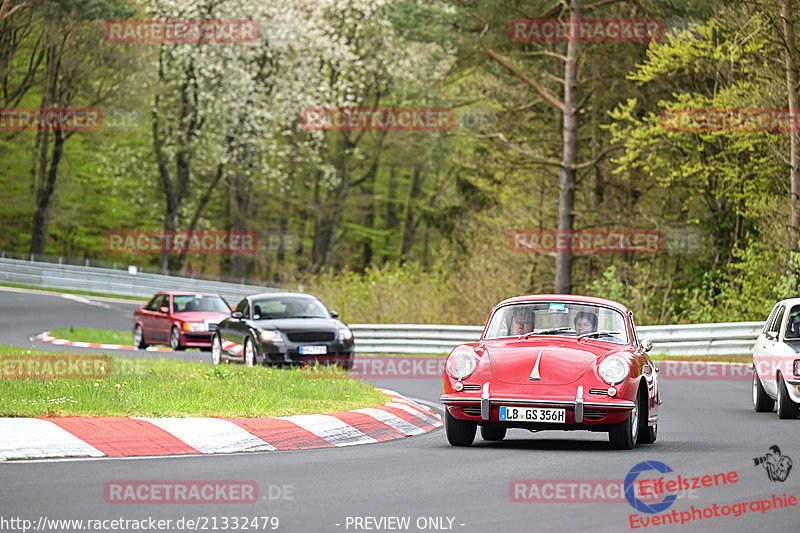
(558, 318)
(183, 303)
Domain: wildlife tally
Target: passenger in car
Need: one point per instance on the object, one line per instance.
(585, 322)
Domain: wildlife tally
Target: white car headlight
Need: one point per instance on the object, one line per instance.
(461, 364)
(195, 326)
(613, 369)
(271, 335)
(345, 334)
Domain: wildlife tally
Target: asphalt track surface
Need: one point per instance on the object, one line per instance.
(707, 427)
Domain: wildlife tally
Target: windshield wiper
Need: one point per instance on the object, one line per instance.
(306, 316)
(601, 333)
(546, 331)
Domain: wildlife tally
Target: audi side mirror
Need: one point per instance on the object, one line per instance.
(163, 309)
(334, 314)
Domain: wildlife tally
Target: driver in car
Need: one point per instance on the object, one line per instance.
(522, 321)
(585, 322)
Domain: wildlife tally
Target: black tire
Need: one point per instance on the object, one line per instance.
(138, 337)
(762, 403)
(493, 432)
(459, 432)
(216, 350)
(624, 435)
(647, 433)
(251, 358)
(786, 406)
(175, 340)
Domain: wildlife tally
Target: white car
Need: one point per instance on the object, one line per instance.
(776, 361)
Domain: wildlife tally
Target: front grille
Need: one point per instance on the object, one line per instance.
(593, 415)
(599, 392)
(474, 411)
(471, 387)
(311, 336)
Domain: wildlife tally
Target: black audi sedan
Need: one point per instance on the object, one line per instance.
(283, 327)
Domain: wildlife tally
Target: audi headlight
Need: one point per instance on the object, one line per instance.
(195, 326)
(271, 335)
(345, 334)
(461, 364)
(613, 369)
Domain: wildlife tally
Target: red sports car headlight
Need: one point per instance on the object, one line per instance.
(614, 369)
(461, 363)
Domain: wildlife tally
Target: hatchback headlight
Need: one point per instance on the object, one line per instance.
(613, 369)
(195, 326)
(345, 334)
(271, 335)
(461, 364)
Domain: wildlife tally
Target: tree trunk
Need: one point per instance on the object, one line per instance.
(791, 89)
(566, 195)
(411, 224)
(45, 181)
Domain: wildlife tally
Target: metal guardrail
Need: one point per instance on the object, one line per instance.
(110, 281)
(732, 338)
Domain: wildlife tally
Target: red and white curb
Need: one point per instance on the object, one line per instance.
(38, 438)
(45, 337)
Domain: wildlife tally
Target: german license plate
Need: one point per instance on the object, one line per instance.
(313, 350)
(533, 414)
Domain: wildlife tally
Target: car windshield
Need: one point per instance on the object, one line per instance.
(186, 303)
(289, 308)
(570, 319)
(793, 324)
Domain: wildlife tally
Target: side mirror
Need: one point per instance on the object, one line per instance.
(237, 315)
(334, 314)
(163, 309)
(646, 345)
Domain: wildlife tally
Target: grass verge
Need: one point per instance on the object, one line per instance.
(99, 336)
(163, 387)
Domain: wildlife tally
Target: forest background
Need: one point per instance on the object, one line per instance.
(413, 227)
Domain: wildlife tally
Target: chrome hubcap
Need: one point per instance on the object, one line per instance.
(249, 354)
(755, 388)
(635, 418)
(216, 354)
(137, 336)
(176, 337)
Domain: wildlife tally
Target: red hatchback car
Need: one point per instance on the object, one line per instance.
(179, 319)
(553, 362)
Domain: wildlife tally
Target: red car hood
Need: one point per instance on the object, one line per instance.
(201, 316)
(560, 362)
